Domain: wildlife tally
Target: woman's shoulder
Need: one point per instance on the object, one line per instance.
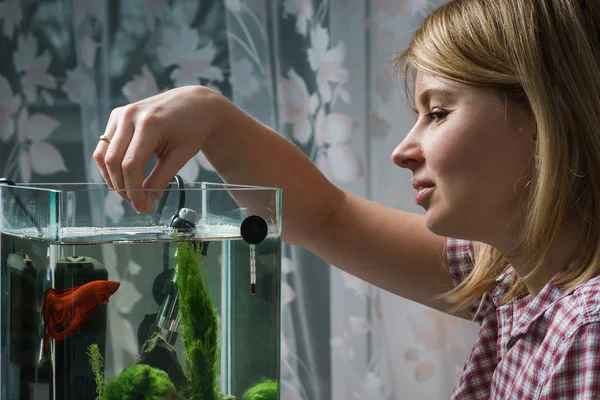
(575, 309)
(584, 300)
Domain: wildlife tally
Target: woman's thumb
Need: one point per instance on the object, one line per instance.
(161, 175)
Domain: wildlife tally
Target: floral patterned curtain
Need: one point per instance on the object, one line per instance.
(315, 70)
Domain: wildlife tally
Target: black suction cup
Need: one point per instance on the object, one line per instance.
(254, 229)
(159, 291)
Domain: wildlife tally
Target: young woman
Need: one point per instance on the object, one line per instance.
(505, 156)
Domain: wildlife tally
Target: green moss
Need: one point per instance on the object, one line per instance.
(199, 335)
(97, 364)
(141, 382)
(199, 325)
(267, 390)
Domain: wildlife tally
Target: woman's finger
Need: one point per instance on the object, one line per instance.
(100, 151)
(116, 152)
(144, 144)
(162, 174)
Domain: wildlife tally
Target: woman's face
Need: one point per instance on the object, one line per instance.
(475, 152)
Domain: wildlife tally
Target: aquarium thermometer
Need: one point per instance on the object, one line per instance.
(253, 230)
(253, 269)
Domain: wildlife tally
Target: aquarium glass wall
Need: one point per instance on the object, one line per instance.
(182, 302)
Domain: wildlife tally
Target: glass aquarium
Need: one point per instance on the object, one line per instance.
(180, 302)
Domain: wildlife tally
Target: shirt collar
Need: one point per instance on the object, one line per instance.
(532, 309)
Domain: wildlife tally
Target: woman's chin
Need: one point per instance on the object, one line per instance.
(439, 224)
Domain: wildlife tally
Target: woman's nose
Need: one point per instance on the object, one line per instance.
(408, 153)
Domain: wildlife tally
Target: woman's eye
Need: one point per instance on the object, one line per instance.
(437, 115)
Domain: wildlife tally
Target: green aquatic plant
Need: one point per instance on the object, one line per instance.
(141, 382)
(199, 333)
(97, 363)
(267, 390)
(199, 325)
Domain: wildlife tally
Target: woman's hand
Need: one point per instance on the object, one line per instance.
(172, 125)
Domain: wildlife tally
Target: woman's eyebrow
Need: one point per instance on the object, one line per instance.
(446, 94)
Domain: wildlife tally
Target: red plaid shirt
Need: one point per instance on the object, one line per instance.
(542, 348)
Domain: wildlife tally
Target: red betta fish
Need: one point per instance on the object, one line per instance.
(64, 311)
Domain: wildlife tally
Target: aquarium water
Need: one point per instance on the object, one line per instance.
(77, 313)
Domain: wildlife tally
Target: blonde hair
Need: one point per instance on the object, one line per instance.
(545, 54)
